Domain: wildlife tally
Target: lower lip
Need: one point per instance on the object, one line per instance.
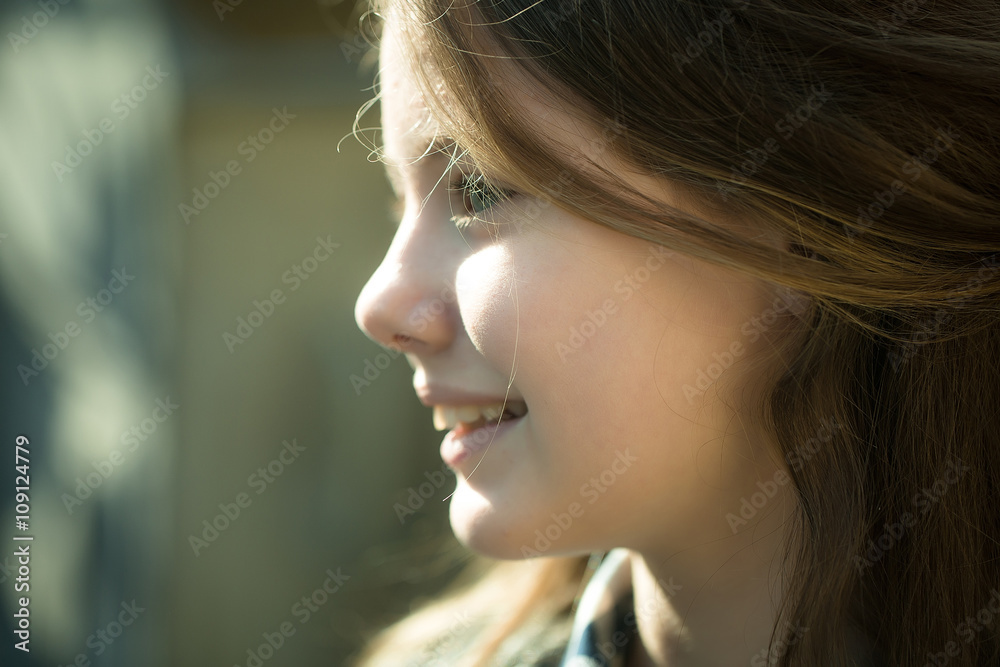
(458, 448)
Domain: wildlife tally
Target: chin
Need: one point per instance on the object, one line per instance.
(500, 534)
(481, 527)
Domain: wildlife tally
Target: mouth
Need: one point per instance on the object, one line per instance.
(467, 418)
(474, 428)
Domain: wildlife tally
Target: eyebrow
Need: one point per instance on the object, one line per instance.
(443, 145)
(446, 146)
(438, 145)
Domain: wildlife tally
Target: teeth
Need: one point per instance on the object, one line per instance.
(467, 413)
(442, 416)
(492, 411)
(447, 416)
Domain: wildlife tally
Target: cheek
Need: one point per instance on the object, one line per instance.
(487, 302)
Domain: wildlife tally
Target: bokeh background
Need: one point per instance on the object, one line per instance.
(118, 312)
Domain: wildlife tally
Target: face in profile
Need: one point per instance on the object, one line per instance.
(598, 352)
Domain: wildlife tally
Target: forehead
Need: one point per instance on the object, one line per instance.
(586, 144)
(409, 130)
(411, 133)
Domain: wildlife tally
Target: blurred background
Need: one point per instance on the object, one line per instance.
(223, 469)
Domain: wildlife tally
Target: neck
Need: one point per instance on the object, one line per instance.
(710, 605)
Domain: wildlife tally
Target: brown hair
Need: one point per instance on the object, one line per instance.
(864, 133)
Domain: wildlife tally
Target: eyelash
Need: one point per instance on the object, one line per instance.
(476, 185)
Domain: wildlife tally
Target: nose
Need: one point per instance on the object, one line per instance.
(409, 301)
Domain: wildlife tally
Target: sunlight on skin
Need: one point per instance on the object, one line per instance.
(520, 291)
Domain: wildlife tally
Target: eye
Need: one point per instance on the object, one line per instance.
(478, 196)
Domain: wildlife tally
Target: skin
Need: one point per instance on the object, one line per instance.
(519, 290)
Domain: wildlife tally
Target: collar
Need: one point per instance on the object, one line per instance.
(604, 627)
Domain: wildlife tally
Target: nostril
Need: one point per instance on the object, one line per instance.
(402, 314)
(401, 340)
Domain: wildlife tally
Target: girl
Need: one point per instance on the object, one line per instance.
(705, 293)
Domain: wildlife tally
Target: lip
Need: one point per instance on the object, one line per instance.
(458, 447)
(431, 395)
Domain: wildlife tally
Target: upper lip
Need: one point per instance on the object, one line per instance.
(431, 395)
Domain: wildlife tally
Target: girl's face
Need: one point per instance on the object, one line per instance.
(611, 343)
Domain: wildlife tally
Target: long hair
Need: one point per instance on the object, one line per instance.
(866, 133)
